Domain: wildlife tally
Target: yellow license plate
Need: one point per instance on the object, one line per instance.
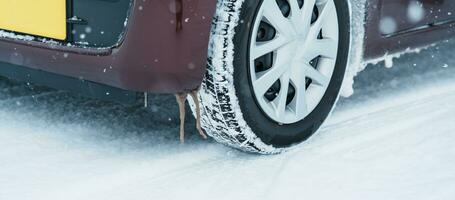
(46, 18)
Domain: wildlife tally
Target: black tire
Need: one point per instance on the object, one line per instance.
(230, 113)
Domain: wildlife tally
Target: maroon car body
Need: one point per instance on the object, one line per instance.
(437, 23)
(164, 44)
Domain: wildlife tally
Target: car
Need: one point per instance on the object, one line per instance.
(268, 72)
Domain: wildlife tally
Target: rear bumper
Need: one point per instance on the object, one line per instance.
(164, 50)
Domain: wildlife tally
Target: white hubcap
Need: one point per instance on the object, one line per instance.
(292, 56)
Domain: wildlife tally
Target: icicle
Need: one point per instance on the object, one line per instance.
(181, 99)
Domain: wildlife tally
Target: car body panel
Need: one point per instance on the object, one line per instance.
(164, 50)
(410, 14)
(437, 23)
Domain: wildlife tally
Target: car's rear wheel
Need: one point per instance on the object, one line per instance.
(275, 68)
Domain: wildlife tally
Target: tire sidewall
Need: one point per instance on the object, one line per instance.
(269, 131)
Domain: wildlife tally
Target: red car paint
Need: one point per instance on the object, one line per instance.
(155, 55)
(438, 24)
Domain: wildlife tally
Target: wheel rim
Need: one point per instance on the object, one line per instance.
(293, 52)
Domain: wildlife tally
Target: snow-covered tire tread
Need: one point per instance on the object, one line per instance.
(222, 117)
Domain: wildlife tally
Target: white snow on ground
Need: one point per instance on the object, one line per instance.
(393, 139)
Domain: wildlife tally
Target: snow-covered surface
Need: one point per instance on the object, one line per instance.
(5, 34)
(356, 62)
(393, 139)
(388, 58)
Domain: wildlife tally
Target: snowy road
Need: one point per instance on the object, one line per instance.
(394, 139)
